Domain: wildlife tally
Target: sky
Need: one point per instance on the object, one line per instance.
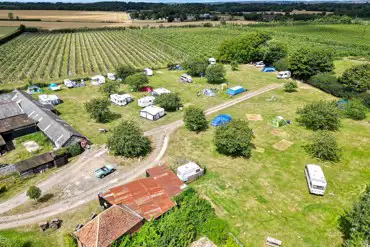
(172, 1)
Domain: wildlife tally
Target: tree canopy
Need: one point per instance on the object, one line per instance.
(124, 71)
(109, 87)
(195, 119)
(98, 109)
(34, 192)
(357, 78)
(324, 146)
(169, 101)
(136, 81)
(216, 73)
(355, 110)
(274, 52)
(196, 66)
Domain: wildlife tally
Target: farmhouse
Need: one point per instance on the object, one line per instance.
(189, 172)
(120, 99)
(152, 112)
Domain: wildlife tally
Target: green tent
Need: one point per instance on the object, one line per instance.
(278, 121)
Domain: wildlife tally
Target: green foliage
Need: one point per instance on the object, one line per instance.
(127, 140)
(355, 110)
(355, 224)
(109, 88)
(61, 151)
(365, 98)
(275, 51)
(290, 86)
(216, 73)
(33, 192)
(231, 242)
(124, 71)
(328, 82)
(357, 78)
(75, 149)
(319, 115)
(169, 101)
(195, 119)
(234, 65)
(216, 229)
(11, 15)
(98, 109)
(306, 62)
(234, 138)
(282, 64)
(244, 49)
(324, 146)
(69, 240)
(3, 188)
(196, 66)
(136, 81)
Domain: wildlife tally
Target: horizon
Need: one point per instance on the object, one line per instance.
(187, 1)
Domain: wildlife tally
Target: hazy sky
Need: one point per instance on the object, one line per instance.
(165, 1)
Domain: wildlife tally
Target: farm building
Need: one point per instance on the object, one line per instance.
(235, 90)
(159, 91)
(268, 69)
(189, 172)
(152, 112)
(56, 129)
(146, 101)
(46, 99)
(222, 119)
(149, 197)
(108, 226)
(120, 99)
(148, 72)
(315, 179)
(97, 80)
(212, 60)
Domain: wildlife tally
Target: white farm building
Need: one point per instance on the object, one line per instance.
(152, 112)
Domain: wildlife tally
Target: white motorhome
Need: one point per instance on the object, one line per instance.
(49, 99)
(315, 179)
(97, 80)
(120, 99)
(189, 172)
(159, 91)
(152, 112)
(212, 61)
(146, 101)
(111, 76)
(148, 72)
(283, 75)
(186, 78)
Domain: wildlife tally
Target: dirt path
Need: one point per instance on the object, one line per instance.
(161, 135)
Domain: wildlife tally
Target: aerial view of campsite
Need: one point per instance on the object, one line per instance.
(184, 124)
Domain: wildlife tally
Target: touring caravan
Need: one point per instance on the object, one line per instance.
(111, 76)
(152, 112)
(148, 72)
(212, 61)
(283, 75)
(146, 101)
(120, 99)
(315, 179)
(189, 172)
(97, 80)
(186, 78)
(159, 91)
(68, 83)
(49, 99)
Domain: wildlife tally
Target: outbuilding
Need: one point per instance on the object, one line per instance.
(97, 80)
(315, 179)
(235, 90)
(189, 172)
(152, 112)
(52, 99)
(268, 69)
(159, 91)
(146, 101)
(148, 72)
(222, 119)
(120, 99)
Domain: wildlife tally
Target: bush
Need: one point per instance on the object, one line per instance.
(34, 192)
(75, 149)
(290, 86)
(320, 115)
(306, 62)
(355, 110)
(136, 81)
(234, 139)
(357, 78)
(196, 66)
(365, 98)
(3, 188)
(195, 119)
(231, 242)
(324, 147)
(282, 64)
(216, 73)
(216, 230)
(124, 71)
(109, 88)
(275, 51)
(99, 109)
(169, 101)
(234, 65)
(127, 140)
(328, 82)
(69, 240)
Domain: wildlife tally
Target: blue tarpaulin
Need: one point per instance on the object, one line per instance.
(221, 120)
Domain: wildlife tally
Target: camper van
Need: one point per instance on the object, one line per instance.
(97, 80)
(186, 78)
(148, 72)
(146, 101)
(283, 75)
(49, 99)
(120, 99)
(315, 179)
(111, 76)
(212, 61)
(189, 172)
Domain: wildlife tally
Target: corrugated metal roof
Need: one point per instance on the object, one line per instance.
(15, 122)
(34, 162)
(9, 109)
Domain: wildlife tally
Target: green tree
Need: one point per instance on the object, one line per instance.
(196, 66)
(33, 192)
(136, 81)
(306, 62)
(127, 140)
(355, 110)
(147, 236)
(319, 115)
(244, 49)
(357, 78)
(75, 149)
(274, 52)
(69, 240)
(234, 139)
(290, 86)
(365, 98)
(124, 71)
(324, 146)
(169, 101)
(234, 65)
(109, 88)
(282, 64)
(216, 230)
(216, 73)
(195, 119)
(98, 109)
(11, 15)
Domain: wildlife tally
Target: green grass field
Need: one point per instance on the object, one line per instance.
(6, 30)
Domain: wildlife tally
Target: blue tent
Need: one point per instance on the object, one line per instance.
(235, 90)
(268, 69)
(221, 120)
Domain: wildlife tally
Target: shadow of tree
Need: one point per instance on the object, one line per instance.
(46, 198)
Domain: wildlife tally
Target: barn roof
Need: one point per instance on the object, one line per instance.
(34, 162)
(15, 122)
(9, 109)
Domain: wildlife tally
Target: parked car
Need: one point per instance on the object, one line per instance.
(103, 171)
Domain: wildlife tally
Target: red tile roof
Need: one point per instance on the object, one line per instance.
(108, 226)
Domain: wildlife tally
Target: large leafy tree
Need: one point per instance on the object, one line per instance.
(109, 88)
(196, 66)
(324, 146)
(216, 73)
(34, 192)
(355, 110)
(234, 139)
(98, 109)
(169, 101)
(274, 52)
(319, 115)
(127, 140)
(195, 119)
(307, 62)
(244, 49)
(137, 81)
(357, 78)
(124, 71)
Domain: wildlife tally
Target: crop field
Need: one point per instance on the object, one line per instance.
(6, 30)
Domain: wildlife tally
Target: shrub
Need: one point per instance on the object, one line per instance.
(195, 119)
(169, 101)
(319, 115)
(234, 65)
(355, 110)
(290, 86)
(216, 73)
(324, 147)
(127, 140)
(124, 71)
(3, 188)
(136, 81)
(196, 66)
(365, 97)
(216, 230)
(34, 192)
(75, 149)
(275, 51)
(282, 64)
(231, 242)
(328, 82)
(306, 62)
(69, 240)
(99, 109)
(109, 88)
(357, 78)
(234, 139)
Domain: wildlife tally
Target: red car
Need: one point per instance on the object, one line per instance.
(146, 89)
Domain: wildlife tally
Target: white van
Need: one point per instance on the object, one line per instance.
(315, 179)
(186, 78)
(283, 75)
(146, 101)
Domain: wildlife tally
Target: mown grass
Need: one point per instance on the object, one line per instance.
(6, 30)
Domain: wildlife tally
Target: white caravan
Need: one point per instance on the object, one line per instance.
(111, 76)
(283, 75)
(97, 80)
(315, 179)
(148, 72)
(212, 61)
(120, 99)
(146, 101)
(68, 83)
